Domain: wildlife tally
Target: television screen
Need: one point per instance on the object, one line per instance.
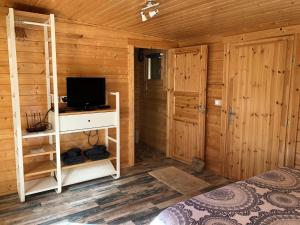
(85, 92)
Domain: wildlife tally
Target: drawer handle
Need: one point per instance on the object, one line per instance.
(89, 120)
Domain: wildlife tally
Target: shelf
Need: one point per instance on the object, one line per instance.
(39, 185)
(37, 168)
(87, 172)
(88, 162)
(38, 134)
(87, 129)
(38, 150)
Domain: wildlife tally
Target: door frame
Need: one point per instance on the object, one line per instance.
(132, 44)
(293, 104)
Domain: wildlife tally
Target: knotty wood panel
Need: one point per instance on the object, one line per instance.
(213, 159)
(258, 94)
(184, 108)
(297, 157)
(186, 141)
(138, 94)
(82, 50)
(187, 82)
(213, 117)
(177, 19)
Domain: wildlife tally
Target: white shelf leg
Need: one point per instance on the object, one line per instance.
(13, 68)
(56, 110)
(118, 136)
(47, 73)
(106, 138)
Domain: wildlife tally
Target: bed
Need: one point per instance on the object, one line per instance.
(271, 198)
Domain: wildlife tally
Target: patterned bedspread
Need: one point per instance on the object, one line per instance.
(272, 198)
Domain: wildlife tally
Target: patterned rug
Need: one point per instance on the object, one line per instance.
(179, 180)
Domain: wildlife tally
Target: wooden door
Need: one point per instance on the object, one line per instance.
(187, 103)
(258, 86)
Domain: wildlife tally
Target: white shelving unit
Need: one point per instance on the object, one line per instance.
(47, 23)
(63, 123)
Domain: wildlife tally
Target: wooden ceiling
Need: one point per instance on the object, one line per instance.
(178, 19)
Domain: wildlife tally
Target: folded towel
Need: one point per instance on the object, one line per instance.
(97, 152)
(72, 156)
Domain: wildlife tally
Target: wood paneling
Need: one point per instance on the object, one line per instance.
(150, 105)
(297, 157)
(131, 118)
(177, 19)
(82, 50)
(139, 74)
(86, 49)
(214, 134)
(213, 118)
(294, 104)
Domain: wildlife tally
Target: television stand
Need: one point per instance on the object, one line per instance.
(74, 121)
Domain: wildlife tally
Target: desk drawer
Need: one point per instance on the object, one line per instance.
(87, 121)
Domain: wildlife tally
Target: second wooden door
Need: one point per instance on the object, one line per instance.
(257, 94)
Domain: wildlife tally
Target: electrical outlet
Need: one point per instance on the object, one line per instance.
(63, 99)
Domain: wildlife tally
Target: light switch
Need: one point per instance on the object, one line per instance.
(218, 102)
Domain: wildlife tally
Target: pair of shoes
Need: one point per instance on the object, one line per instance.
(97, 152)
(72, 156)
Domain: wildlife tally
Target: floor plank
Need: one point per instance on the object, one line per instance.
(135, 198)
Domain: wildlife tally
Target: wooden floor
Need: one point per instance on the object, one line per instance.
(135, 198)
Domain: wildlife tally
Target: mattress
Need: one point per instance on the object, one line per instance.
(271, 198)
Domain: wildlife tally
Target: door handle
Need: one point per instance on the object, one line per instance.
(231, 115)
(201, 108)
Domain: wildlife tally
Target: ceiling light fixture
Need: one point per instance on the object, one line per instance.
(151, 9)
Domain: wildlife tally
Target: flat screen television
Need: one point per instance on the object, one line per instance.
(85, 92)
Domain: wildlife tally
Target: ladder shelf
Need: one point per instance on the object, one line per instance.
(40, 185)
(38, 168)
(30, 170)
(40, 150)
(25, 171)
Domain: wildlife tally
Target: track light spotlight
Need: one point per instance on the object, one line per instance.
(153, 13)
(144, 17)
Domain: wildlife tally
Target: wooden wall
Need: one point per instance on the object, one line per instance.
(83, 50)
(214, 160)
(214, 91)
(150, 107)
(297, 158)
(138, 94)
